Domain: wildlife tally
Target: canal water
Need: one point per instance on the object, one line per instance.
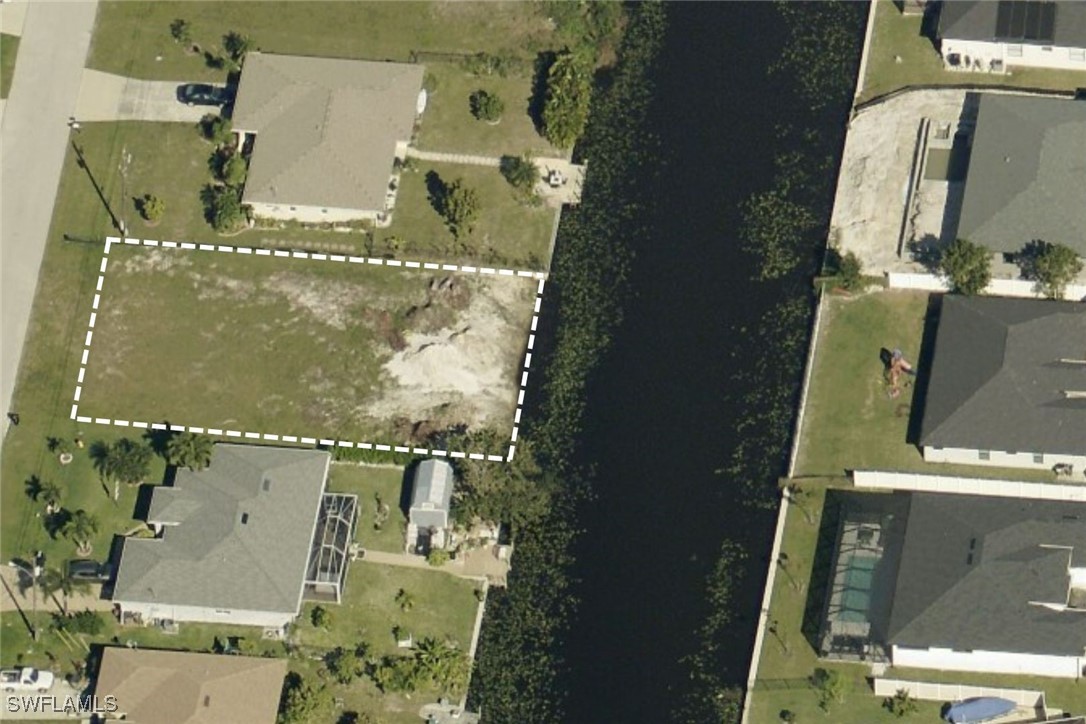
(662, 413)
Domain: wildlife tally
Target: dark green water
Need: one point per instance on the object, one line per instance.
(663, 410)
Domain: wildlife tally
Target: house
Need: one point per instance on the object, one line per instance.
(431, 496)
(177, 687)
(241, 542)
(1007, 384)
(997, 36)
(991, 584)
(325, 133)
(1024, 180)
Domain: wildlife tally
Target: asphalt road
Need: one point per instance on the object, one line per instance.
(33, 141)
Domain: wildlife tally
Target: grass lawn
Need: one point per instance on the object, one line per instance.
(9, 49)
(787, 662)
(302, 347)
(130, 37)
(507, 231)
(447, 124)
(898, 36)
(444, 607)
(368, 482)
(850, 422)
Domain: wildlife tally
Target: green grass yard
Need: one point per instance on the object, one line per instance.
(9, 49)
(507, 230)
(368, 482)
(133, 38)
(896, 36)
(447, 124)
(850, 422)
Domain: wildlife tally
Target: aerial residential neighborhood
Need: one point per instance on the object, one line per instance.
(372, 362)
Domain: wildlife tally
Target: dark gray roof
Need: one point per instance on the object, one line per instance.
(432, 494)
(208, 556)
(1025, 174)
(996, 379)
(1039, 22)
(974, 568)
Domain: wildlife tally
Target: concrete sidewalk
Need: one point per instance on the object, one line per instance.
(33, 143)
(108, 97)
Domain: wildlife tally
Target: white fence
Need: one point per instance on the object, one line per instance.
(927, 691)
(997, 287)
(967, 486)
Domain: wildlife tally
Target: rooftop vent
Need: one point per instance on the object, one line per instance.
(1075, 394)
(244, 518)
(266, 485)
(207, 700)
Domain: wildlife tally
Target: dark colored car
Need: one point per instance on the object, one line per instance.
(86, 570)
(200, 94)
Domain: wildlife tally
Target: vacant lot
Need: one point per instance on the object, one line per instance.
(133, 38)
(303, 347)
(851, 422)
(900, 56)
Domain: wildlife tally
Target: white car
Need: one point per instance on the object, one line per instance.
(26, 679)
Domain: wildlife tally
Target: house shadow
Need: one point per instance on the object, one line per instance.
(407, 484)
(818, 585)
(923, 368)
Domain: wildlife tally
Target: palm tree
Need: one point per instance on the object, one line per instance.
(53, 580)
(126, 461)
(405, 600)
(80, 529)
(189, 450)
(42, 491)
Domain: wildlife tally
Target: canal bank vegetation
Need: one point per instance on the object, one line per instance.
(518, 671)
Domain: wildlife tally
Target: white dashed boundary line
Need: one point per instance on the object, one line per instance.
(540, 277)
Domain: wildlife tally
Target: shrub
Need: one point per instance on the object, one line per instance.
(235, 170)
(223, 208)
(301, 702)
(152, 208)
(237, 45)
(565, 108)
(900, 704)
(831, 686)
(321, 618)
(486, 106)
(1052, 266)
(215, 128)
(437, 557)
(850, 272)
(181, 31)
(460, 207)
(967, 266)
(521, 172)
(90, 623)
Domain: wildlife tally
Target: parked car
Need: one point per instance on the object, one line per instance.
(204, 95)
(26, 679)
(86, 570)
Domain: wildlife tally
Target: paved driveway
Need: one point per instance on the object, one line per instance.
(108, 97)
(52, 53)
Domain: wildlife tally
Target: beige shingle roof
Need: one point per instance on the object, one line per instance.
(175, 687)
(326, 128)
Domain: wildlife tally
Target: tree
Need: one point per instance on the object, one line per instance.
(967, 266)
(215, 128)
(237, 45)
(486, 106)
(44, 491)
(565, 108)
(302, 703)
(80, 529)
(460, 207)
(235, 170)
(181, 31)
(53, 580)
(152, 208)
(444, 663)
(850, 272)
(223, 208)
(521, 172)
(344, 664)
(1052, 266)
(189, 450)
(405, 600)
(321, 618)
(831, 686)
(398, 674)
(126, 461)
(901, 704)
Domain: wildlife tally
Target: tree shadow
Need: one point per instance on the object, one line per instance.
(436, 191)
(99, 455)
(923, 368)
(54, 522)
(819, 582)
(34, 487)
(1029, 256)
(540, 71)
(926, 251)
(159, 440)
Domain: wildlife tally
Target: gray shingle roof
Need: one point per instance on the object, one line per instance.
(326, 128)
(207, 555)
(973, 568)
(996, 380)
(432, 494)
(1017, 21)
(1025, 174)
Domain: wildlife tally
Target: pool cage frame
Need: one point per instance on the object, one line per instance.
(332, 548)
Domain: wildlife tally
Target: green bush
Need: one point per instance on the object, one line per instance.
(569, 91)
(215, 128)
(321, 618)
(152, 208)
(1052, 266)
(235, 170)
(486, 106)
(90, 623)
(850, 272)
(967, 266)
(437, 557)
(460, 207)
(521, 172)
(181, 31)
(223, 208)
